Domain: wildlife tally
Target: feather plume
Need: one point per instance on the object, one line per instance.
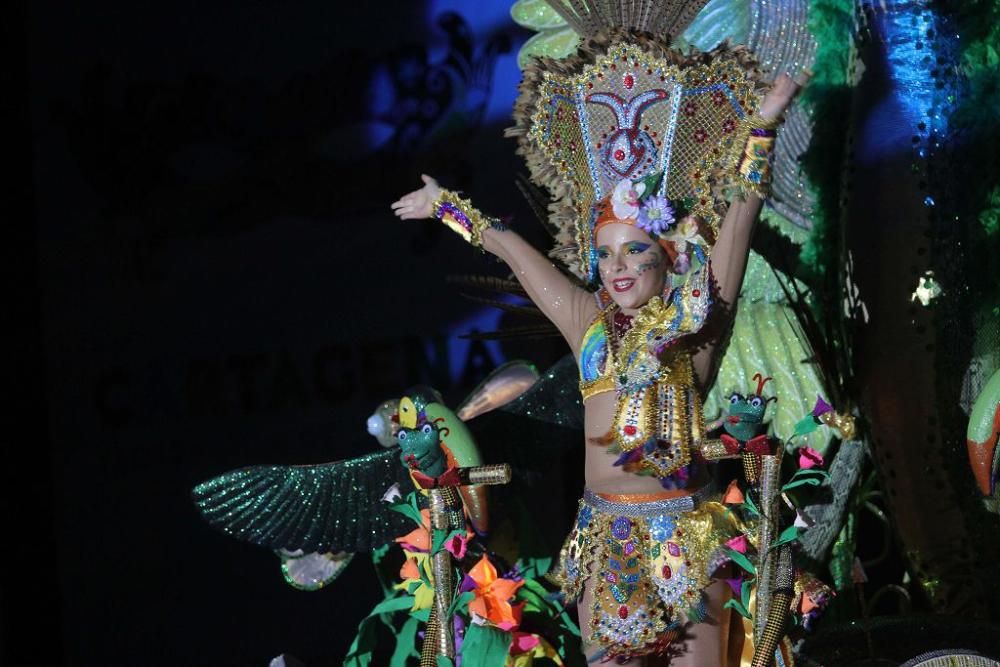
(591, 17)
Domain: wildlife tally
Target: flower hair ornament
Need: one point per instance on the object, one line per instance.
(667, 221)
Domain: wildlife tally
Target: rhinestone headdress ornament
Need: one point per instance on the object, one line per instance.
(628, 121)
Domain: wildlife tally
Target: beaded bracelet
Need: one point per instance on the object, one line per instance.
(464, 219)
(754, 166)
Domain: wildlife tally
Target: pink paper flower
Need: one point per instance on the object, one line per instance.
(457, 545)
(809, 457)
(739, 544)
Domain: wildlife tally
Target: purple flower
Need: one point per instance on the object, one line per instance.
(656, 215)
(682, 264)
(821, 407)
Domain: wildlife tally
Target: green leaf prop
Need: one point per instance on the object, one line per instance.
(750, 506)
(360, 653)
(806, 477)
(789, 534)
(444, 661)
(439, 538)
(461, 602)
(408, 508)
(806, 425)
(651, 181)
(740, 608)
(740, 559)
(485, 646)
(745, 591)
(405, 643)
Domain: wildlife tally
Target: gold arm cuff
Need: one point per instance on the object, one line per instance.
(462, 217)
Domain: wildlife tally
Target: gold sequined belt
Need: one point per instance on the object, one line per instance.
(644, 504)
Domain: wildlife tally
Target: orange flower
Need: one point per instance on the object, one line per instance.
(493, 595)
(418, 539)
(410, 570)
(733, 495)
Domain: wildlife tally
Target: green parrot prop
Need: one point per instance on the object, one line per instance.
(315, 517)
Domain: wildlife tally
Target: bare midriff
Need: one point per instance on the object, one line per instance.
(601, 475)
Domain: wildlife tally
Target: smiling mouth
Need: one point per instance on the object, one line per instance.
(623, 284)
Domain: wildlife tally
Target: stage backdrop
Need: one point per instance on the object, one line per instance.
(223, 284)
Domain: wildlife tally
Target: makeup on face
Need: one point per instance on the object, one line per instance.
(632, 266)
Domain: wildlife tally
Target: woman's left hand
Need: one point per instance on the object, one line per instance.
(780, 97)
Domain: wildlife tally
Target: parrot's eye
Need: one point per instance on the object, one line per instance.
(756, 402)
(401, 436)
(734, 399)
(427, 429)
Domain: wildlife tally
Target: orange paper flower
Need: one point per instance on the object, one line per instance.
(733, 495)
(493, 595)
(418, 539)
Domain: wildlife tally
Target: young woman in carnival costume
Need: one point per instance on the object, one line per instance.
(641, 146)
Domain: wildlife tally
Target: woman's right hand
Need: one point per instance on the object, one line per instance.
(419, 203)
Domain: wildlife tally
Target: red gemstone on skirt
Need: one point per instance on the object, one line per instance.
(623, 612)
(629, 430)
(667, 572)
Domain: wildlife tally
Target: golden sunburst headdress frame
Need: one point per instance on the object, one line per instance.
(626, 107)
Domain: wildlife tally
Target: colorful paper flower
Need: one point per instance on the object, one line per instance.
(685, 233)
(809, 457)
(418, 539)
(656, 215)
(733, 494)
(625, 199)
(821, 407)
(493, 595)
(418, 580)
(457, 545)
(803, 520)
(739, 544)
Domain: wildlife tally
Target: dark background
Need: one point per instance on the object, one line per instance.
(203, 273)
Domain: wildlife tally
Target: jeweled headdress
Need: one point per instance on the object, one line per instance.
(625, 107)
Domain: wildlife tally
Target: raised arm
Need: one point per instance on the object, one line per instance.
(569, 307)
(732, 248)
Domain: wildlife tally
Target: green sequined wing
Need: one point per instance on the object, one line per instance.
(331, 507)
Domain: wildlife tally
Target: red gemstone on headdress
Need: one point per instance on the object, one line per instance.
(629, 81)
(696, 293)
(619, 155)
(667, 572)
(629, 430)
(623, 612)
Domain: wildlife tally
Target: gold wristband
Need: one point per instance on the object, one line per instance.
(462, 217)
(754, 164)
